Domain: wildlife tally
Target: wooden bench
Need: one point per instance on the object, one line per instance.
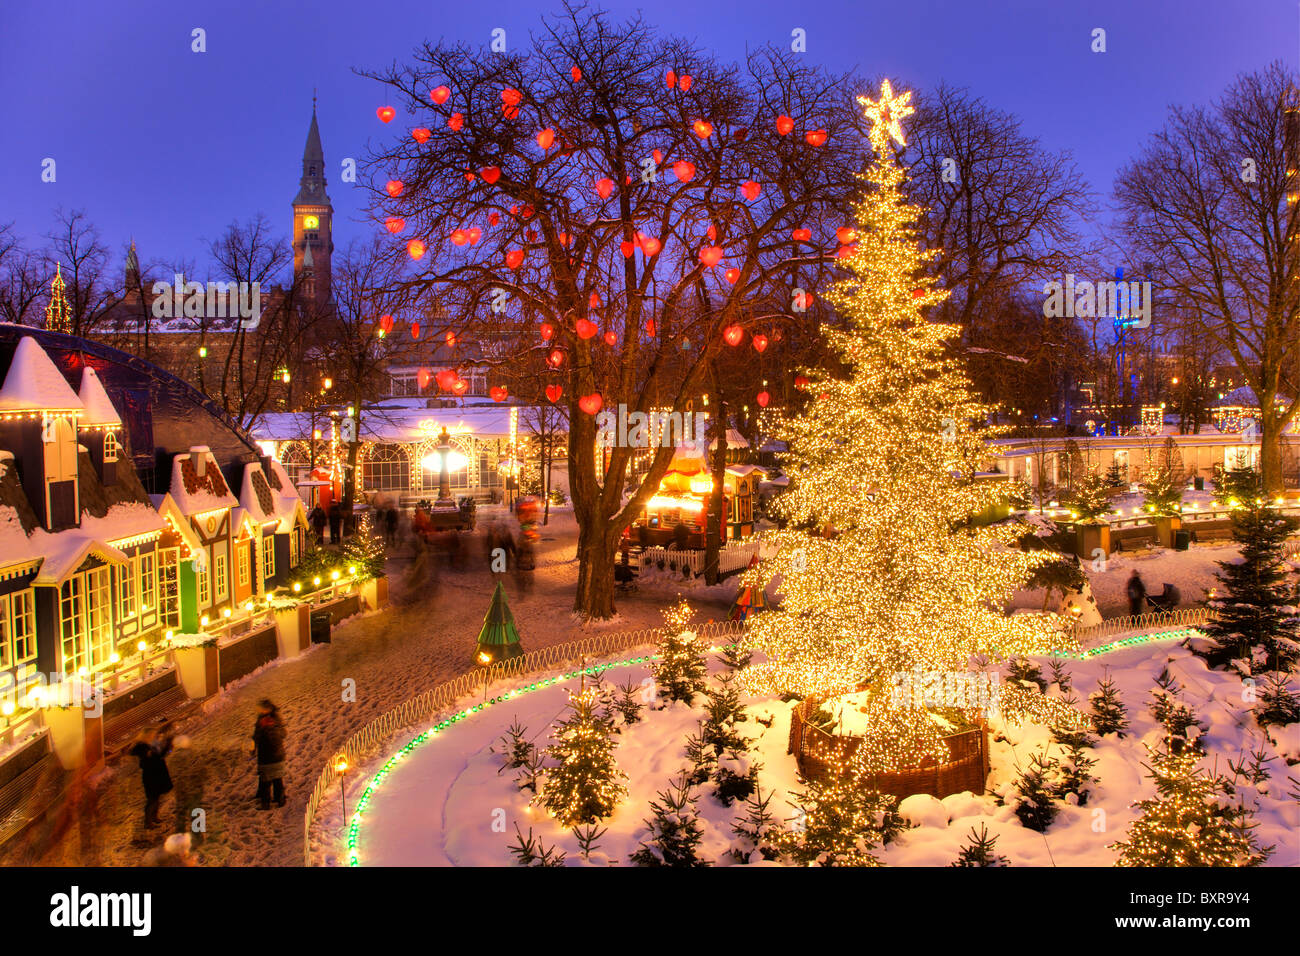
(27, 796)
(171, 704)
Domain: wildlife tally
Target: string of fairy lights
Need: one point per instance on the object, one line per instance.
(880, 461)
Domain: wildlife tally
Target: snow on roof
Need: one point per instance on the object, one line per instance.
(196, 491)
(33, 382)
(64, 551)
(255, 495)
(15, 546)
(396, 424)
(99, 408)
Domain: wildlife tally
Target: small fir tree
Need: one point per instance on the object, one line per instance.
(701, 758)
(1255, 618)
(587, 837)
(1091, 501)
(839, 820)
(1277, 703)
(979, 850)
(737, 656)
(1075, 779)
(364, 551)
(1059, 673)
(583, 783)
(1109, 715)
(735, 777)
(681, 672)
(1023, 669)
(674, 831)
(1162, 485)
(1033, 795)
(626, 703)
(1182, 727)
(516, 748)
(754, 831)
(529, 851)
(1186, 823)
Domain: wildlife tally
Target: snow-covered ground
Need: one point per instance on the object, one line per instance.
(447, 803)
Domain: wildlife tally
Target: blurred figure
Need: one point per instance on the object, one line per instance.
(151, 748)
(317, 520)
(268, 747)
(1137, 593)
(390, 527)
(336, 521)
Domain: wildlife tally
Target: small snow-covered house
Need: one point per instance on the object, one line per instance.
(270, 496)
(80, 568)
(200, 507)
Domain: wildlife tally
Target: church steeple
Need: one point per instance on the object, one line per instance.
(313, 216)
(57, 318)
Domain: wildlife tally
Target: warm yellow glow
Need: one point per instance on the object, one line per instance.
(433, 461)
(661, 502)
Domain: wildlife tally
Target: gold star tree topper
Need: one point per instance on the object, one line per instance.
(888, 112)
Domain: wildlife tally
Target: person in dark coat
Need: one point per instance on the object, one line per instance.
(681, 536)
(336, 519)
(317, 520)
(1137, 593)
(151, 748)
(390, 527)
(268, 746)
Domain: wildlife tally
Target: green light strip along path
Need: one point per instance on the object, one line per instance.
(438, 728)
(543, 683)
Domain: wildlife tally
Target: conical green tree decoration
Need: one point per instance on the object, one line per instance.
(499, 638)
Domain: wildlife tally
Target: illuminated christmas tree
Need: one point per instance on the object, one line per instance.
(882, 463)
(583, 784)
(1186, 824)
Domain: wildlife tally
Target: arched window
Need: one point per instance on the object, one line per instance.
(386, 468)
(296, 458)
(110, 446)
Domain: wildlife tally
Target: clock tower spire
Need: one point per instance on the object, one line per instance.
(313, 216)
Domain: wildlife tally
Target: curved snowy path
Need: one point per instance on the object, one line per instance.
(391, 656)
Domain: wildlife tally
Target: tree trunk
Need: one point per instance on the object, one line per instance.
(715, 517)
(1270, 449)
(594, 597)
(546, 478)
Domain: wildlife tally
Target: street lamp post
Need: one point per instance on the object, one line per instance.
(341, 768)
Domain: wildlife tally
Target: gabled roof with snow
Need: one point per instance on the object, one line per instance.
(255, 495)
(99, 407)
(199, 489)
(15, 546)
(33, 382)
(64, 551)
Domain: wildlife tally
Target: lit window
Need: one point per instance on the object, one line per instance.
(110, 446)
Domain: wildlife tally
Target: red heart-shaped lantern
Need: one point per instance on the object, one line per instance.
(439, 94)
(684, 170)
(490, 174)
(658, 156)
(763, 398)
(801, 381)
(627, 248)
(415, 248)
(604, 187)
(420, 134)
(394, 224)
(591, 403)
(731, 275)
(843, 252)
(386, 113)
(751, 190)
(422, 378)
(651, 246)
(460, 386)
(459, 237)
(845, 234)
(475, 234)
(511, 96)
(415, 330)
(547, 331)
(546, 138)
(446, 379)
(784, 125)
(386, 323)
(703, 129)
(555, 359)
(455, 121)
(593, 301)
(575, 73)
(760, 342)
(815, 137)
(684, 83)
(733, 335)
(493, 218)
(611, 338)
(586, 328)
(498, 393)
(710, 256)
(394, 187)
(801, 235)
(670, 79)
(918, 293)
(553, 393)
(515, 258)
(650, 327)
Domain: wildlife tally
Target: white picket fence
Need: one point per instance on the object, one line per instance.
(424, 709)
(733, 556)
(1182, 617)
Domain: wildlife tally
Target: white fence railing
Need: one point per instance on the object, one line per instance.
(1182, 617)
(423, 709)
(733, 556)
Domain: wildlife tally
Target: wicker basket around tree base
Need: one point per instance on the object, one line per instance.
(966, 769)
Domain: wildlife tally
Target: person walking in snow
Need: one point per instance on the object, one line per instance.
(268, 747)
(151, 748)
(336, 521)
(1137, 594)
(317, 519)
(390, 527)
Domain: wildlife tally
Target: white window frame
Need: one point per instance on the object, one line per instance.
(268, 557)
(220, 580)
(110, 446)
(241, 571)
